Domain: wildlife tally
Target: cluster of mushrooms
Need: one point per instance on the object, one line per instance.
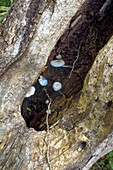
(58, 62)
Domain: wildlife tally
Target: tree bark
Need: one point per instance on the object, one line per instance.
(79, 130)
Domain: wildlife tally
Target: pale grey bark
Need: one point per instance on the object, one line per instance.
(101, 150)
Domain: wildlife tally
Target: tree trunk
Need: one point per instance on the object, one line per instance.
(74, 129)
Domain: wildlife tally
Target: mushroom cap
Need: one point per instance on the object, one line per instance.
(43, 81)
(30, 92)
(59, 56)
(57, 86)
(47, 102)
(57, 63)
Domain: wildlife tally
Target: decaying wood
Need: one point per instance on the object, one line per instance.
(84, 132)
(78, 48)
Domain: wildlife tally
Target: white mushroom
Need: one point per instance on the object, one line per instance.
(31, 91)
(57, 63)
(43, 81)
(59, 56)
(47, 102)
(48, 111)
(57, 86)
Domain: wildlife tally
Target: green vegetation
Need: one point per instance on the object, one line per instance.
(111, 159)
(4, 7)
(6, 3)
(28, 109)
(104, 163)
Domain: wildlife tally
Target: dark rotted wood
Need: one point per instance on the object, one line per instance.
(85, 36)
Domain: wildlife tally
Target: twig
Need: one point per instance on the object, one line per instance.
(104, 9)
(75, 60)
(54, 125)
(47, 134)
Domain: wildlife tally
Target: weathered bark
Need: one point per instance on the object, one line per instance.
(84, 131)
(78, 47)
